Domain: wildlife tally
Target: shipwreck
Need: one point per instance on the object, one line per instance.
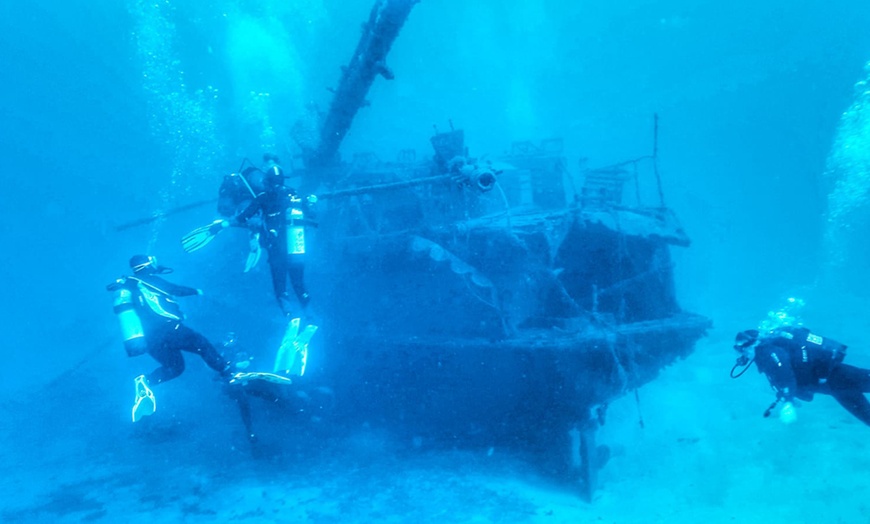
(504, 300)
(499, 301)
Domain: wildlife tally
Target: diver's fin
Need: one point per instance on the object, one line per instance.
(293, 354)
(145, 404)
(285, 351)
(254, 253)
(201, 236)
(244, 378)
(300, 355)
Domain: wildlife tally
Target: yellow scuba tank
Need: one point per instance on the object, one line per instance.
(296, 233)
(131, 324)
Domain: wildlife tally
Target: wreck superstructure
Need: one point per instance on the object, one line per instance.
(503, 299)
(495, 298)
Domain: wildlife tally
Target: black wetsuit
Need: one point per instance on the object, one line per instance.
(799, 364)
(276, 204)
(165, 334)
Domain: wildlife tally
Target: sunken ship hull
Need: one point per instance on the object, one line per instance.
(499, 302)
(504, 301)
(490, 302)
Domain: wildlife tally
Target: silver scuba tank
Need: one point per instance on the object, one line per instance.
(296, 233)
(131, 324)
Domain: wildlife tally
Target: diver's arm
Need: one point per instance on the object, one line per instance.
(253, 208)
(775, 363)
(173, 289)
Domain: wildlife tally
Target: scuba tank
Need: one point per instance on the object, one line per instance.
(296, 233)
(128, 318)
(297, 222)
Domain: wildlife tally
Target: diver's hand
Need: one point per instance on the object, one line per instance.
(787, 414)
(199, 292)
(254, 223)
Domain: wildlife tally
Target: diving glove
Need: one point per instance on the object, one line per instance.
(787, 414)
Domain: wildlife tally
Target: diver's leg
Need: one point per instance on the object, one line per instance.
(238, 394)
(844, 376)
(860, 377)
(854, 402)
(847, 385)
(278, 268)
(296, 270)
(170, 359)
(279, 277)
(194, 342)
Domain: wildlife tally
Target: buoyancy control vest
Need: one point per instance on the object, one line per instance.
(813, 356)
(158, 301)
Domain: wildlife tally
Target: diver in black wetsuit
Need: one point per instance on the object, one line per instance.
(152, 322)
(280, 215)
(167, 335)
(241, 393)
(799, 364)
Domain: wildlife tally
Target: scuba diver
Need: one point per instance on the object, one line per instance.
(236, 193)
(271, 387)
(799, 364)
(275, 215)
(152, 322)
(280, 215)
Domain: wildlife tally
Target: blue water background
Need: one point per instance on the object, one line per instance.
(112, 111)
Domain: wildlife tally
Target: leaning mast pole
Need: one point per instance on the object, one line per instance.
(369, 60)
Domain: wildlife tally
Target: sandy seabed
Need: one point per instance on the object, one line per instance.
(694, 448)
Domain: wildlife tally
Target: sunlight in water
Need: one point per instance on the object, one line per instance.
(181, 117)
(266, 74)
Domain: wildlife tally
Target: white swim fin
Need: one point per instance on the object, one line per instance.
(144, 404)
